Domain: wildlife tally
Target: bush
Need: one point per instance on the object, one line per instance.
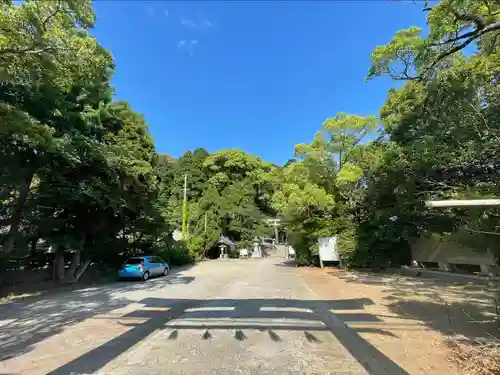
(245, 244)
(196, 247)
(177, 255)
(346, 243)
(306, 250)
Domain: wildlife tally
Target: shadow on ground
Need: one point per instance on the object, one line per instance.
(25, 323)
(445, 305)
(460, 318)
(287, 263)
(185, 314)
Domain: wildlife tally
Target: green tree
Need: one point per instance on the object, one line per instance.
(79, 172)
(442, 130)
(453, 25)
(48, 61)
(320, 192)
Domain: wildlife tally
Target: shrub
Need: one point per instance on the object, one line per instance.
(177, 254)
(196, 247)
(306, 250)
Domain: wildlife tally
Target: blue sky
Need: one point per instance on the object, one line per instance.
(260, 76)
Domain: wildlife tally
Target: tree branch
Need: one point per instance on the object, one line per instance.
(493, 43)
(28, 50)
(487, 3)
(34, 48)
(477, 20)
(452, 50)
(455, 39)
(480, 29)
(404, 75)
(474, 35)
(49, 17)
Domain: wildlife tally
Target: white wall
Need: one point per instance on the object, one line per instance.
(430, 250)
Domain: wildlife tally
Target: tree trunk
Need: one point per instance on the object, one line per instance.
(76, 263)
(59, 265)
(34, 243)
(138, 240)
(81, 269)
(16, 217)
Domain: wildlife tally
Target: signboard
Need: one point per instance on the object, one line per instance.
(328, 249)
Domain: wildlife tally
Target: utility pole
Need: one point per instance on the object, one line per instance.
(184, 210)
(205, 238)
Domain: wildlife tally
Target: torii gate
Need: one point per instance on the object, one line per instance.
(276, 223)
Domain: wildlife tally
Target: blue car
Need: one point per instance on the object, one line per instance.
(143, 267)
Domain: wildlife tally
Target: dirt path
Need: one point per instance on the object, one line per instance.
(413, 316)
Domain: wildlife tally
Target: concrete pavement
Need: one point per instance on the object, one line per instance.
(253, 316)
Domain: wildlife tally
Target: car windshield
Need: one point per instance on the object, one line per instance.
(134, 261)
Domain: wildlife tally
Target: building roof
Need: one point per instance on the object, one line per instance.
(226, 241)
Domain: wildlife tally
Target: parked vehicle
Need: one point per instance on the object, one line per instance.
(143, 267)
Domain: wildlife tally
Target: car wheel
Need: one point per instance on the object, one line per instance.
(145, 276)
(165, 271)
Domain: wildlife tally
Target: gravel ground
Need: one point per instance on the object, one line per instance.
(253, 316)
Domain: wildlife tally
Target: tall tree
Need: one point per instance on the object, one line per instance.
(453, 26)
(49, 67)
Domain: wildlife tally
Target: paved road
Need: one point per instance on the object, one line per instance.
(253, 316)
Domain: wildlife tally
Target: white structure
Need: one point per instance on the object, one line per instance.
(244, 253)
(177, 235)
(448, 254)
(328, 250)
(445, 254)
(257, 251)
(462, 203)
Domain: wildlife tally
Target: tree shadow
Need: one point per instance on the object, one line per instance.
(447, 305)
(431, 285)
(103, 285)
(466, 319)
(287, 263)
(25, 323)
(265, 315)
